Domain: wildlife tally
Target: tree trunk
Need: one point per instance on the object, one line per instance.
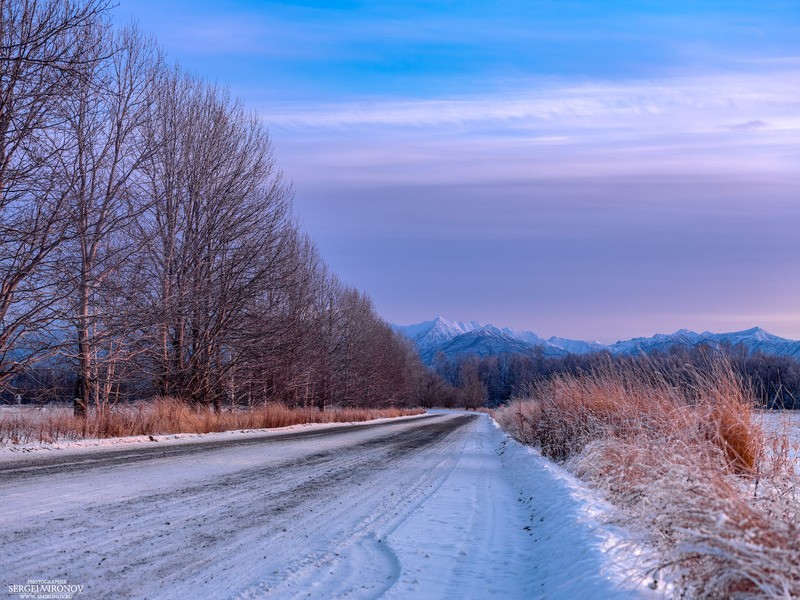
(83, 387)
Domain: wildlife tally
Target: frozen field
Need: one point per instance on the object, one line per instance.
(439, 506)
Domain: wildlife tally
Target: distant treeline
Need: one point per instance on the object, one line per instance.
(148, 245)
(774, 380)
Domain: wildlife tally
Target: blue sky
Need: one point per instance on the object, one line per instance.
(586, 169)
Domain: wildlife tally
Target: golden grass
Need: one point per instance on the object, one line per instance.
(687, 465)
(168, 416)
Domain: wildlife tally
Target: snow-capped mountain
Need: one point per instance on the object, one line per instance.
(431, 336)
(758, 340)
(577, 346)
(753, 340)
(456, 338)
(658, 343)
(483, 342)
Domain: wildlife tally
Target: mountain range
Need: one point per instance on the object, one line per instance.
(458, 338)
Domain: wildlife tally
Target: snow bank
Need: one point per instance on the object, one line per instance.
(585, 556)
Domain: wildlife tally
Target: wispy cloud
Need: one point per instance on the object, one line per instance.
(750, 125)
(744, 126)
(721, 100)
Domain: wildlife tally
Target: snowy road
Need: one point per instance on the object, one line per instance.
(430, 507)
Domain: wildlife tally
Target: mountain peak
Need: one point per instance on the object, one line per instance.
(455, 326)
(754, 331)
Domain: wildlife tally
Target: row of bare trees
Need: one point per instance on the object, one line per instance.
(147, 240)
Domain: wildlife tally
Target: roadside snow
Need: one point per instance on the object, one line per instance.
(10, 452)
(580, 555)
(518, 526)
(446, 506)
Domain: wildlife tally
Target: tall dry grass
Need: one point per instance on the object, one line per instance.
(168, 416)
(688, 466)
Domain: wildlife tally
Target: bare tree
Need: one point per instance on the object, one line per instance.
(474, 390)
(284, 355)
(219, 230)
(43, 51)
(106, 117)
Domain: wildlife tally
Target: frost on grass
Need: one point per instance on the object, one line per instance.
(687, 463)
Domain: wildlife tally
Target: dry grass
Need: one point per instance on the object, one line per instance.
(687, 465)
(167, 416)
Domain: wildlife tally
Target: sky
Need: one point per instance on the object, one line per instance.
(592, 170)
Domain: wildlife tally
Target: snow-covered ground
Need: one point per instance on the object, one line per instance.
(784, 423)
(443, 506)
